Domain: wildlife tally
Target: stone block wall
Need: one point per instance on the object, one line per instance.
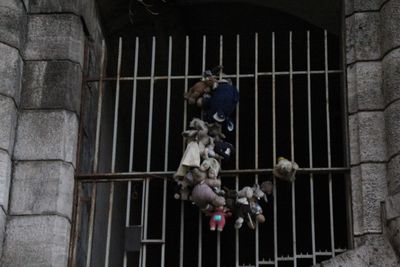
(42, 47)
(373, 84)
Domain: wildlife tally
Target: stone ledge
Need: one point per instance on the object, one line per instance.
(46, 135)
(36, 241)
(362, 37)
(8, 121)
(11, 66)
(61, 34)
(42, 187)
(52, 85)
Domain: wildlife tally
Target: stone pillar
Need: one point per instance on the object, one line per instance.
(39, 212)
(372, 61)
(12, 31)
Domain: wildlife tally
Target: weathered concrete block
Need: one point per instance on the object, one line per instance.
(354, 139)
(361, 5)
(53, 6)
(10, 71)
(374, 193)
(380, 252)
(362, 37)
(392, 117)
(8, 119)
(36, 241)
(61, 35)
(12, 22)
(390, 21)
(46, 135)
(373, 251)
(357, 200)
(372, 136)
(393, 176)
(368, 184)
(364, 86)
(392, 207)
(5, 176)
(42, 187)
(52, 85)
(391, 76)
(393, 233)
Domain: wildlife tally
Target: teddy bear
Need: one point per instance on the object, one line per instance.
(205, 85)
(183, 188)
(221, 103)
(285, 169)
(218, 217)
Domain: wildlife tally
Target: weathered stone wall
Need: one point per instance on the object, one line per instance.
(373, 71)
(42, 46)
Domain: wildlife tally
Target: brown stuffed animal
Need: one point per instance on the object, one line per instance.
(199, 89)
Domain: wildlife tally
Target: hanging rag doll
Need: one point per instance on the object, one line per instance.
(285, 169)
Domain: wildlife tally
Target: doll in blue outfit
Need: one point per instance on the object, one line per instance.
(219, 106)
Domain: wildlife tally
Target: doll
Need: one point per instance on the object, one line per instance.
(218, 217)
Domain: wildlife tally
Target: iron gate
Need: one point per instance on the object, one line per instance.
(144, 241)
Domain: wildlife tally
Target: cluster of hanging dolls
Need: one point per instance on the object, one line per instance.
(197, 177)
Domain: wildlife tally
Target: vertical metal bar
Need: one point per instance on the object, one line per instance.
(292, 148)
(96, 156)
(237, 142)
(256, 132)
(182, 232)
(221, 60)
(149, 139)
(142, 222)
(132, 140)
(274, 151)
(328, 133)
(77, 198)
(166, 150)
(310, 152)
(200, 236)
(113, 156)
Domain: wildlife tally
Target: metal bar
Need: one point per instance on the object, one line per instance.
(149, 139)
(166, 150)
(256, 134)
(77, 198)
(328, 133)
(182, 77)
(200, 236)
(221, 61)
(310, 152)
(96, 156)
(166, 175)
(292, 147)
(132, 140)
(274, 151)
(142, 222)
(237, 141)
(113, 155)
(153, 241)
(182, 232)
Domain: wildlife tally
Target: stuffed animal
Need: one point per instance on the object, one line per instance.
(220, 105)
(211, 166)
(184, 187)
(201, 176)
(199, 132)
(285, 169)
(205, 198)
(194, 94)
(247, 207)
(218, 217)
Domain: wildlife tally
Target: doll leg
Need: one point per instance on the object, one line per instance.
(221, 224)
(213, 224)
